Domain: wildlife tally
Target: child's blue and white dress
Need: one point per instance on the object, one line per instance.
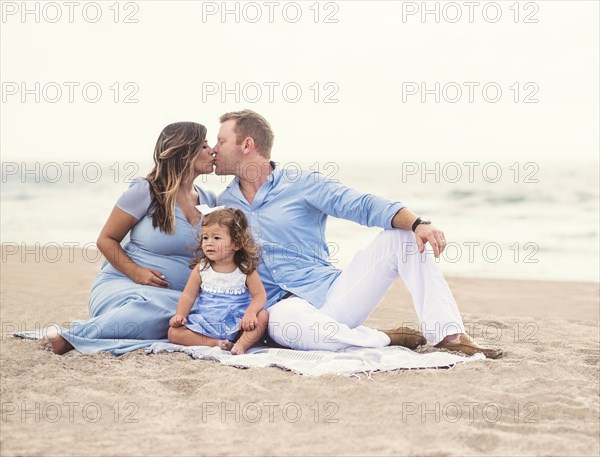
(221, 304)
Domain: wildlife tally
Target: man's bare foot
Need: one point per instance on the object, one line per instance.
(464, 343)
(226, 345)
(60, 346)
(406, 337)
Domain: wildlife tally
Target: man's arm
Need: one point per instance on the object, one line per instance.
(338, 200)
(424, 233)
(335, 199)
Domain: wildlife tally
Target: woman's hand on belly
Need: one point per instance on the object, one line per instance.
(149, 277)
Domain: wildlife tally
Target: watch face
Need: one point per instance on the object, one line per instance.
(425, 222)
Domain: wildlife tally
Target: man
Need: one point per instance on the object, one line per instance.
(313, 305)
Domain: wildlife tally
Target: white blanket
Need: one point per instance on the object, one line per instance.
(347, 362)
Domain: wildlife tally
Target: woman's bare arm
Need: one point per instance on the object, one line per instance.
(119, 223)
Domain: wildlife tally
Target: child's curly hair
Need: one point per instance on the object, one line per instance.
(247, 257)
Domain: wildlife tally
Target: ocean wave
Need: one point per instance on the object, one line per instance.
(496, 198)
(18, 196)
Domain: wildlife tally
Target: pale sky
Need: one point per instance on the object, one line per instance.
(179, 54)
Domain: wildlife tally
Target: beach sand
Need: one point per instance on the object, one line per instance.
(542, 398)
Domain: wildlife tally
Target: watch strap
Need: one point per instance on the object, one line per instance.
(416, 223)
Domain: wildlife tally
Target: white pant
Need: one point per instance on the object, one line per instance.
(357, 291)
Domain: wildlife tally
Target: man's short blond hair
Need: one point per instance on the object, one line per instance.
(251, 124)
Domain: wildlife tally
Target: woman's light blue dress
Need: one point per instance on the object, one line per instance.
(124, 315)
(221, 304)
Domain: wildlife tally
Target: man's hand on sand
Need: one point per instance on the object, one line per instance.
(427, 233)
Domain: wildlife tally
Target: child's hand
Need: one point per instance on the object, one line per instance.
(249, 321)
(177, 320)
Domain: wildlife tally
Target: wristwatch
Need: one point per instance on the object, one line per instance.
(418, 222)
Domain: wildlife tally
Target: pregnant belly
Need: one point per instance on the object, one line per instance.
(174, 268)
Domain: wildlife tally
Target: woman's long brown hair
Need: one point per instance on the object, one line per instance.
(176, 148)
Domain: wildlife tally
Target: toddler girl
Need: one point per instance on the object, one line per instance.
(224, 289)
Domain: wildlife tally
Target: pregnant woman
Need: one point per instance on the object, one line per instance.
(139, 285)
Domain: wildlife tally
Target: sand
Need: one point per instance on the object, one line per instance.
(542, 398)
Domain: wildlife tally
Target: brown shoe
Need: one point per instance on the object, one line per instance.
(466, 345)
(406, 337)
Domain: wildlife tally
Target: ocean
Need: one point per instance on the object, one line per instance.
(518, 220)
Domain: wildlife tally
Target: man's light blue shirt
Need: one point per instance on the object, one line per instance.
(288, 218)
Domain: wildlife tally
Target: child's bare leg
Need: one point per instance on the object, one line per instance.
(60, 346)
(187, 337)
(250, 338)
